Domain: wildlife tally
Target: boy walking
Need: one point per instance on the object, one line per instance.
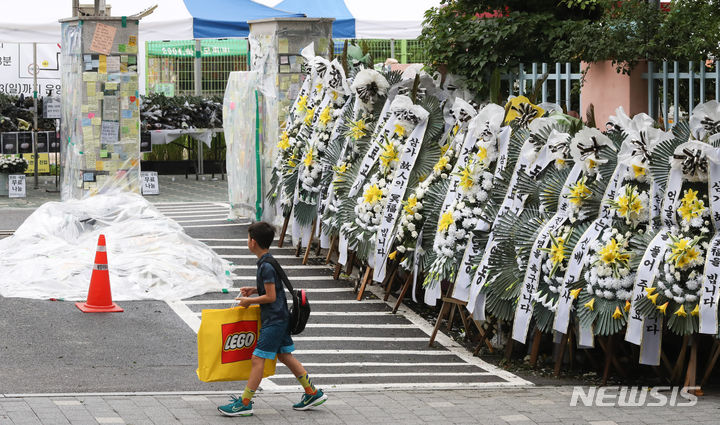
(274, 339)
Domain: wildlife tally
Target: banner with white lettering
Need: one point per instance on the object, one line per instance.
(524, 308)
(476, 302)
(710, 291)
(386, 232)
(577, 258)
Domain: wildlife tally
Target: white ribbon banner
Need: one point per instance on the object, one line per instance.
(710, 291)
(577, 258)
(524, 308)
(393, 208)
(371, 157)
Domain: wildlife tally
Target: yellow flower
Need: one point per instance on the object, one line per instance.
(308, 158)
(341, 169)
(690, 196)
(302, 104)
(284, 141)
(579, 192)
(440, 166)
(466, 178)
(663, 307)
(557, 251)
(482, 154)
(617, 314)
(357, 129)
(639, 171)
(319, 86)
(696, 311)
(590, 304)
(629, 203)
(627, 305)
(591, 163)
(389, 154)
(560, 162)
(613, 254)
(649, 290)
(681, 311)
(372, 194)
(334, 94)
(684, 251)
(399, 130)
(326, 115)
(520, 109)
(456, 129)
(444, 148)
(410, 205)
(653, 298)
(445, 221)
(575, 292)
(392, 255)
(309, 116)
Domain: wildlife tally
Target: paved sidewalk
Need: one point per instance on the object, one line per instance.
(515, 406)
(175, 188)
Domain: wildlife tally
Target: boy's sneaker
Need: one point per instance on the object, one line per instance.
(236, 408)
(308, 401)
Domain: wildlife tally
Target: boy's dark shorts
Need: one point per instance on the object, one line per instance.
(274, 338)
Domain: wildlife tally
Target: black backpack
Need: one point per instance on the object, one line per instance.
(300, 311)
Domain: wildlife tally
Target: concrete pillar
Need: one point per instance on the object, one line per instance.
(606, 89)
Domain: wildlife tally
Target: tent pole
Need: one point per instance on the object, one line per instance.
(258, 163)
(198, 92)
(35, 116)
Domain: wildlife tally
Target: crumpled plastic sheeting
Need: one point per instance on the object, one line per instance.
(51, 255)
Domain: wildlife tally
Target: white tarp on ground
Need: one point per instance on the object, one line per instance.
(51, 254)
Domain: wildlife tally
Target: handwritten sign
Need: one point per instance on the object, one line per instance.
(16, 186)
(103, 39)
(149, 183)
(109, 132)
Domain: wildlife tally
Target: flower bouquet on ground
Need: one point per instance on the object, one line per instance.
(13, 164)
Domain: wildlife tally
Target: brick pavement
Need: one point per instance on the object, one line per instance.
(515, 406)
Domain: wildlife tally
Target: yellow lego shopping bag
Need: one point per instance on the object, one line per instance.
(226, 341)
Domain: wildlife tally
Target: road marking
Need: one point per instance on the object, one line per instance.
(218, 215)
(196, 302)
(215, 225)
(388, 374)
(380, 364)
(375, 352)
(204, 220)
(450, 344)
(358, 326)
(228, 240)
(361, 338)
(254, 257)
(340, 313)
(290, 267)
(235, 277)
(187, 315)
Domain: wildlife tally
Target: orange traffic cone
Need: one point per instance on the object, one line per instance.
(99, 298)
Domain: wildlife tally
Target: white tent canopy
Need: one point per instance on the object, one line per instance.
(399, 19)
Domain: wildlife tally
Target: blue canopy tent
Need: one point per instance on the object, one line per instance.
(223, 18)
(344, 25)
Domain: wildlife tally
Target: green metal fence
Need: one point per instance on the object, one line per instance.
(170, 65)
(404, 51)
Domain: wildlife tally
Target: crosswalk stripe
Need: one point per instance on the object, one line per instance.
(286, 267)
(217, 215)
(294, 277)
(359, 326)
(387, 374)
(375, 352)
(254, 257)
(360, 338)
(204, 220)
(380, 364)
(196, 302)
(215, 225)
(339, 313)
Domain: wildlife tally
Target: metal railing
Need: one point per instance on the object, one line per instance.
(557, 87)
(691, 85)
(404, 51)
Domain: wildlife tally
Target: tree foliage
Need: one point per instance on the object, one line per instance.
(474, 38)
